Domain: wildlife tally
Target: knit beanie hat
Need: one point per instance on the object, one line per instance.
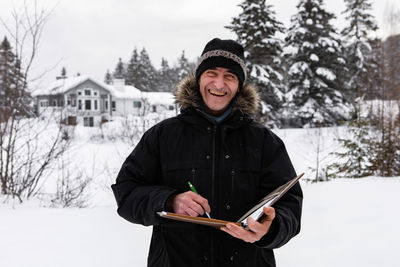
(223, 53)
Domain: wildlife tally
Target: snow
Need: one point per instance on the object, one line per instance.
(327, 73)
(298, 67)
(128, 91)
(159, 98)
(314, 57)
(346, 222)
(63, 85)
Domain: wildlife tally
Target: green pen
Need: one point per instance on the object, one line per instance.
(194, 190)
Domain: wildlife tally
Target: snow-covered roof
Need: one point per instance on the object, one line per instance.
(159, 98)
(63, 85)
(127, 91)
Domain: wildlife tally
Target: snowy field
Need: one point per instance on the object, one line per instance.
(346, 222)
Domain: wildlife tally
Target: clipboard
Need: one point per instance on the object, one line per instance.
(197, 220)
(256, 212)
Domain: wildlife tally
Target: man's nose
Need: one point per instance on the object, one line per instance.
(219, 82)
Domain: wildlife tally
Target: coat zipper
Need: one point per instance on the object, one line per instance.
(213, 189)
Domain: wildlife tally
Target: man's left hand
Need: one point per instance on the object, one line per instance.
(256, 229)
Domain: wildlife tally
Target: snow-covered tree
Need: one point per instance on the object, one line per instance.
(391, 51)
(108, 78)
(183, 68)
(12, 86)
(146, 73)
(358, 45)
(373, 80)
(7, 61)
(315, 62)
(28, 146)
(131, 74)
(119, 71)
(358, 154)
(64, 72)
(166, 78)
(257, 28)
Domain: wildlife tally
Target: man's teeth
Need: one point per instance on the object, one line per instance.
(217, 93)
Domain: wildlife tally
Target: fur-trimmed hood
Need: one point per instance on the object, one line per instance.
(188, 95)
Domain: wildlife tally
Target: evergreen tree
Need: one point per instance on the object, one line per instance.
(131, 75)
(391, 51)
(119, 72)
(108, 78)
(13, 95)
(183, 68)
(387, 144)
(256, 29)
(63, 72)
(315, 59)
(146, 73)
(373, 79)
(358, 45)
(7, 59)
(358, 148)
(166, 80)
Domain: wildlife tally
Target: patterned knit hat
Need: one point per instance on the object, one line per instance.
(223, 53)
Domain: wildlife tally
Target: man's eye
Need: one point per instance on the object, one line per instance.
(211, 73)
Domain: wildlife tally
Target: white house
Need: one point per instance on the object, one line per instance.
(84, 100)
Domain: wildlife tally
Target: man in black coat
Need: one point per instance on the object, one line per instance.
(232, 161)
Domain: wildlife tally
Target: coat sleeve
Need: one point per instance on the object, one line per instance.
(138, 190)
(276, 171)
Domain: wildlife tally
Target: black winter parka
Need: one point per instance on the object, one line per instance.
(233, 165)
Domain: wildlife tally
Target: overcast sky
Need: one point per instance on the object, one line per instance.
(88, 36)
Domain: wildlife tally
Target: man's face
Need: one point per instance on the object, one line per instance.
(217, 87)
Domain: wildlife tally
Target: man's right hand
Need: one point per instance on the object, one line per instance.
(188, 203)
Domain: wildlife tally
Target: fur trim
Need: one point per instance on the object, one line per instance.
(188, 95)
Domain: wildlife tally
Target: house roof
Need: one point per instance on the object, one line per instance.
(157, 98)
(128, 91)
(63, 85)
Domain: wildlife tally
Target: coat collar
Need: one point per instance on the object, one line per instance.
(188, 95)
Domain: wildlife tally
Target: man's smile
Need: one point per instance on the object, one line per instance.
(217, 93)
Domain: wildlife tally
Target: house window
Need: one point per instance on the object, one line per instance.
(54, 103)
(88, 122)
(43, 103)
(106, 104)
(88, 105)
(95, 93)
(87, 92)
(113, 106)
(154, 108)
(80, 104)
(73, 103)
(95, 105)
(137, 104)
(69, 102)
(79, 93)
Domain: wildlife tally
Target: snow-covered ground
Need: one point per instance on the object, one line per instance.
(346, 222)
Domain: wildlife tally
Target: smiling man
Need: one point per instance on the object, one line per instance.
(232, 160)
(217, 87)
